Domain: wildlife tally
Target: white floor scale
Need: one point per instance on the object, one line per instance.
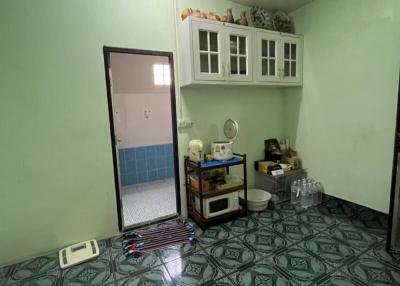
(78, 253)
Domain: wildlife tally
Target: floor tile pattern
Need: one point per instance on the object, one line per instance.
(336, 243)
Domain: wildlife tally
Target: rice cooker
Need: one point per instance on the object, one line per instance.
(222, 150)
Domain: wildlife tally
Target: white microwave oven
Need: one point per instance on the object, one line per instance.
(217, 205)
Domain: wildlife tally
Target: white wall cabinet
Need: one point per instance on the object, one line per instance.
(239, 47)
(278, 58)
(208, 51)
(221, 53)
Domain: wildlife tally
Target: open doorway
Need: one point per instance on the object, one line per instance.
(141, 100)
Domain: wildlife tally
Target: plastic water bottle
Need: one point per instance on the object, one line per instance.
(294, 192)
(309, 194)
(321, 191)
(303, 195)
(314, 192)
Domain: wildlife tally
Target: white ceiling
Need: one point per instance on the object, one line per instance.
(274, 5)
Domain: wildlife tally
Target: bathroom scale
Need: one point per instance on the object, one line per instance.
(78, 253)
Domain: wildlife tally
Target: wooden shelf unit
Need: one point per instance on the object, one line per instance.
(197, 168)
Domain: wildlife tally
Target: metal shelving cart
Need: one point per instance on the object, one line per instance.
(197, 169)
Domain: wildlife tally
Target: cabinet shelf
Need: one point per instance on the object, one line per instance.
(215, 164)
(215, 193)
(213, 52)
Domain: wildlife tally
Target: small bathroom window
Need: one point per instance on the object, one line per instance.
(161, 74)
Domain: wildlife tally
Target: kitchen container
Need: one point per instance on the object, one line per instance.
(257, 200)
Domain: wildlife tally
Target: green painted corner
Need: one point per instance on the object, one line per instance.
(343, 118)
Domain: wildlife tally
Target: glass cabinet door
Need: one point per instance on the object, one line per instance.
(239, 54)
(291, 59)
(207, 51)
(267, 58)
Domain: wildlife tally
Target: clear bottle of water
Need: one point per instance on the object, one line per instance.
(314, 192)
(303, 195)
(309, 194)
(294, 192)
(321, 191)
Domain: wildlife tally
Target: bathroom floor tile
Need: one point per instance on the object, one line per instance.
(264, 241)
(300, 266)
(34, 268)
(97, 272)
(5, 273)
(267, 217)
(48, 279)
(262, 273)
(231, 255)
(178, 251)
(352, 236)
(129, 267)
(221, 282)
(330, 250)
(196, 269)
(373, 272)
(317, 220)
(212, 235)
(293, 229)
(339, 279)
(156, 277)
(337, 208)
(371, 222)
(379, 252)
(286, 209)
(240, 226)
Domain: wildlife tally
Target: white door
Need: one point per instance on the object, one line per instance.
(239, 45)
(267, 57)
(208, 51)
(290, 49)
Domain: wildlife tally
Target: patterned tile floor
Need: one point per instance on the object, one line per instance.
(336, 243)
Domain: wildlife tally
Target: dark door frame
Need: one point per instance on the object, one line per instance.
(393, 192)
(106, 52)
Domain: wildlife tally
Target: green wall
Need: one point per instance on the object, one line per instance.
(343, 119)
(258, 111)
(56, 166)
(56, 176)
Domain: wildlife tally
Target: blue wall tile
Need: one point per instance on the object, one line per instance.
(129, 154)
(152, 175)
(160, 150)
(146, 163)
(151, 151)
(142, 177)
(140, 152)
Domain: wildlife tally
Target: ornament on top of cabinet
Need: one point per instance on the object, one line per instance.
(283, 22)
(213, 17)
(198, 14)
(243, 20)
(262, 18)
(186, 13)
(228, 17)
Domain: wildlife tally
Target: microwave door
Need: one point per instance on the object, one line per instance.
(217, 206)
(394, 239)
